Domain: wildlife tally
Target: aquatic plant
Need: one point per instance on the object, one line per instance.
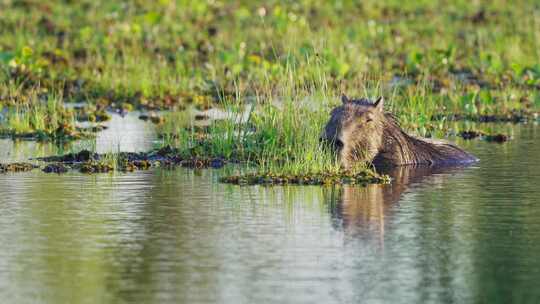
(41, 118)
(16, 167)
(346, 177)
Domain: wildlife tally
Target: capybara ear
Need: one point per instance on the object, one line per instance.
(344, 98)
(379, 104)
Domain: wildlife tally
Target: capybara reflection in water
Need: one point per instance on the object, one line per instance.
(360, 131)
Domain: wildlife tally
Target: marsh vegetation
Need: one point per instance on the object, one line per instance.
(275, 69)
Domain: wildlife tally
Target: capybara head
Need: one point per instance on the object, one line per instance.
(355, 130)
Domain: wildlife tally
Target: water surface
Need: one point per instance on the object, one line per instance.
(124, 133)
(443, 236)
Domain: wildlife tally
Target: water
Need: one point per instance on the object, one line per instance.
(128, 134)
(459, 235)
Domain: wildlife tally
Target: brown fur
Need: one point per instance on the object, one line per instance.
(360, 131)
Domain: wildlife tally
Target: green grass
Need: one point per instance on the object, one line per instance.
(278, 135)
(41, 116)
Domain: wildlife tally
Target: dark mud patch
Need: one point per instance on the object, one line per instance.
(202, 117)
(358, 178)
(82, 156)
(55, 168)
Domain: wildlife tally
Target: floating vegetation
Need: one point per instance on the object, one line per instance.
(131, 166)
(472, 134)
(359, 178)
(90, 162)
(153, 117)
(511, 116)
(93, 116)
(96, 167)
(16, 167)
(92, 129)
(168, 157)
(499, 138)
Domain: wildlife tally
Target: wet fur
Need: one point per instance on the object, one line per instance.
(360, 131)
